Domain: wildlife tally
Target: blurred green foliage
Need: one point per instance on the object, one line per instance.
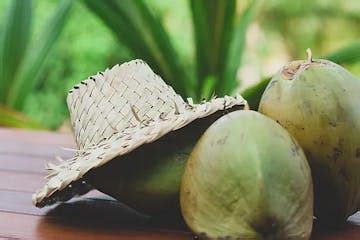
(218, 42)
(349, 54)
(21, 63)
(198, 55)
(254, 93)
(11, 118)
(85, 47)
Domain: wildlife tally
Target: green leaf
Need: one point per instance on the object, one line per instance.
(236, 50)
(33, 63)
(117, 19)
(347, 55)
(254, 93)
(213, 28)
(13, 43)
(201, 38)
(208, 90)
(164, 50)
(10, 118)
(138, 29)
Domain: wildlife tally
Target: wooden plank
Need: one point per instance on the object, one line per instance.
(19, 226)
(21, 163)
(30, 157)
(33, 144)
(40, 137)
(91, 211)
(20, 181)
(22, 155)
(18, 202)
(33, 149)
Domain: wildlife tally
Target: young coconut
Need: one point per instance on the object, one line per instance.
(317, 101)
(247, 178)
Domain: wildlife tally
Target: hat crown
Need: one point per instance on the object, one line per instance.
(125, 96)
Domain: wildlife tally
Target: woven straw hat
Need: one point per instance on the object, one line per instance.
(113, 113)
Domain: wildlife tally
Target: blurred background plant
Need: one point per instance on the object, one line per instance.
(200, 47)
(22, 59)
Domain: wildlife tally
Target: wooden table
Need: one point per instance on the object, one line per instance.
(93, 216)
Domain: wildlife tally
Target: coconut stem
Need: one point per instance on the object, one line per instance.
(309, 55)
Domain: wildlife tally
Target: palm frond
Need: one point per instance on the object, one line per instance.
(347, 55)
(34, 61)
(139, 30)
(13, 42)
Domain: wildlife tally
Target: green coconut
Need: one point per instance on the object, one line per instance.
(317, 101)
(247, 178)
(148, 178)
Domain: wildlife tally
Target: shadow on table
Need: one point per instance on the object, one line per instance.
(107, 211)
(348, 231)
(105, 218)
